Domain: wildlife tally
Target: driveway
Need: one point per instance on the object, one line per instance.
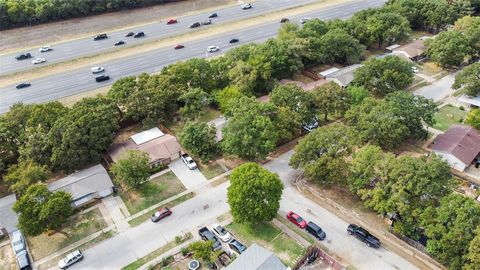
(438, 90)
(189, 178)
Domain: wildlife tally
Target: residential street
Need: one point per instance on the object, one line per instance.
(439, 89)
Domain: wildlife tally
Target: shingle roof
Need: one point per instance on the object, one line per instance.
(461, 141)
(412, 49)
(8, 218)
(256, 258)
(345, 75)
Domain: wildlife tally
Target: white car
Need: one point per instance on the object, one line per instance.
(247, 6)
(221, 232)
(96, 70)
(39, 60)
(70, 259)
(18, 242)
(45, 49)
(415, 69)
(304, 20)
(212, 49)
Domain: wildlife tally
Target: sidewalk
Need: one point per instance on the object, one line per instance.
(291, 233)
(170, 252)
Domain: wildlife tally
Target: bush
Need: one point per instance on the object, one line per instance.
(185, 251)
(178, 239)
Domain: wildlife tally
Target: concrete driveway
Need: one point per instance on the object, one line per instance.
(189, 178)
(438, 90)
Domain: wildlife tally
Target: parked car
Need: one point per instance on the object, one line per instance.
(212, 49)
(96, 70)
(207, 235)
(22, 85)
(70, 259)
(23, 260)
(188, 160)
(296, 219)
(129, 34)
(102, 78)
(39, 60)
(315, 230)
(23, 56)
(213, 15)
(100, 37)
(309, 127)
(415, 69)
(195, 25)
(139, 34)
(161, 214)
(178, 46)
(363, 235)
(207, 22)
(18, 241)
(237, 246)
(304, 20)
(284, 20)
(234, 40)
(118, 43)
(171, 21)
(221, 232)
(247, 6)
(45, 49)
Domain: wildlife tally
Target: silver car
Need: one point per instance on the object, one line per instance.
(18, 242)
(70, 259)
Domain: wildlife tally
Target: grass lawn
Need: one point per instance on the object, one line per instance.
(447, 116)
(152, 192)
(211, 170)
(430, 68)
(270, 237)
(177, 127)
(79, 227)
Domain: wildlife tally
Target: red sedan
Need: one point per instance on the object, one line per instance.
(172, 21)
(161, 214)
(179, 46)
(296, 219)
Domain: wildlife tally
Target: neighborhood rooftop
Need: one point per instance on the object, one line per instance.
(461, 141)
(343, 76)
(256, 258)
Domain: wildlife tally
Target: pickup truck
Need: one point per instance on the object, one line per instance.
(208, 235)
(189, 161)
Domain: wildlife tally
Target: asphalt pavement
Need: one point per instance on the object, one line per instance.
(82, 80)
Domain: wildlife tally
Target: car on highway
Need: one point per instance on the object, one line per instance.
(213, 15)
(207, 235)
(45, 49)
(161, 214)
(284, 20)
(100, 37)
(118, 43)
(70, 259)
(18, 241)
(23, 260)
(171, 21)
(304, 20)
(237, 246)
(247, 6)
(188, 160)
(363, 235)
(315, 230)
(221, 232)
(102, 78)
(234, 40)
(139, 34)
(178, 47)
(39, 60)
(23, 56)
(96, 70)
(22, 85)
(296, 219)
(206, 22)
(212, 49)
(195, 25)
(129, 34)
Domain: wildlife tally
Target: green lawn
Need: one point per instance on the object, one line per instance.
(448, 116)
(211, 170)
(152, 192)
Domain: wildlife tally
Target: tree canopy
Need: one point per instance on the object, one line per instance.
(20, 176)
(329, 99)
(448, 48)
(296, 99)
(199, 139)
(132, 169)
(473, 118)
(468, 80)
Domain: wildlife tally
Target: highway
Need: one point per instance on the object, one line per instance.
(78, 81)
(87, 46)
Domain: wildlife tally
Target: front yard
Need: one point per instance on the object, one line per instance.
(211, 170)
(7, 258)
(447, 116)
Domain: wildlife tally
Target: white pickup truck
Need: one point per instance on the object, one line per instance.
(189, 161)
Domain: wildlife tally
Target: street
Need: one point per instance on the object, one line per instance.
(438, 90)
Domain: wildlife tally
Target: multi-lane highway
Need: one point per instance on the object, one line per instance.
(86, 46)
(81, 80)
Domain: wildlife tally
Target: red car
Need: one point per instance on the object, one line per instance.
(161, 214)
(172, 21)
(179, 46)
(296, 219)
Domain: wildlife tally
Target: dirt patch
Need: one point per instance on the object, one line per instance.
(7, 259)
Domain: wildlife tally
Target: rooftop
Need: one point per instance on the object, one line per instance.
(147, 135)
(256, 258)
(459, 140)
(344, 75)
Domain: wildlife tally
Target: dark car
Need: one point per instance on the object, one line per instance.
(237, 246)
(139, 35)
(208, 235)
(284, 20)
(129, 34)
(234, 40)
(195, 25)
(315, 230)
(23, 56)
(178, 47)
(363, 235)
(22, 85)
(213, 15)
(100, 37)
(161, 214)
(23, 261)
(296, 219)
(118, 43)
(102, 78)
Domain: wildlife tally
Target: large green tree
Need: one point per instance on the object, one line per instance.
(202, 250)
(195, 103)
(227, 99)
(193, 73)
(473, 118)
(473, 260)
(468, 80)
(449, 48)
(199, 139)
(470, 27)
(20, 176)
(337, 46)
(387, 27)
(330, 99)
(254, 194)
(296, 99)
(132, 169)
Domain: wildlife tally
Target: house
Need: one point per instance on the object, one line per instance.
(161, 148)
(459, 146)
(8, 218)
(343, 76)
(85, 185)
(257, 258)
(473, 102)
(414, 50)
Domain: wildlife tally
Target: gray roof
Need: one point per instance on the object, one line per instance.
(256, 258)
(8, 218)
(84, 182)
(345, 75)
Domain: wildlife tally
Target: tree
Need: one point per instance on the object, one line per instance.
(330, 98)
(286, 122)
(199, 139)
(384, 76)
(246, 78)
(254, 194)
(473, 118)
(132, 169)
(337, 46)
(387, 27)
(296, 99)
(356, 94)
(468, 80)
(470, 27)
(366, 166)
(20, 176)
(195, 103)
(227, 99)
(473, 251)
(193, 73)
(449, 48)
(202, 250)
(40, 210)
(322, 153)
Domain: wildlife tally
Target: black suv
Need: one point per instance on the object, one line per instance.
(315, 230)
(100, 36)
(207, 235)
(22, 85)
(363, 235)
(138, 35)
(237, 246)
(102, 78)
(23, 56)
(194, 25)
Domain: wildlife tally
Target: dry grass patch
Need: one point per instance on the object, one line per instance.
(7, 258)
(211, 169)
